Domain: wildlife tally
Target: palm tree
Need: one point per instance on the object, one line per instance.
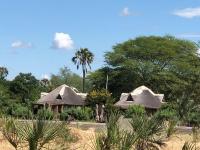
(83, 57)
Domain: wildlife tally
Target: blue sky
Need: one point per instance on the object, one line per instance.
(40, 36)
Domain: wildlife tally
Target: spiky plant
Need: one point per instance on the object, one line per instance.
(171, 128)
(148, 132)
(108, 140)
(9, 131)
(37, 133)
(34, 134)
(114, 138)
(190, 146)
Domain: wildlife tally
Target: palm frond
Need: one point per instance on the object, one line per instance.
(148, 131)
(39, 132)
(9, 131)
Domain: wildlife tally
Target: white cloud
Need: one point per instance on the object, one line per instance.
(188, 12)
(21, 44)
(125, 12)
(62, 41)
(45, 76)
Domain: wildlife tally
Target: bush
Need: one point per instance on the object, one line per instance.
(134, 110)
(167, 112)
(64, 115)
(21, 111)
(194, 119)
(45, 113)
(98, 97)
(79, 113)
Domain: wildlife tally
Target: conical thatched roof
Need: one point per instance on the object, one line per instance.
(140, 96)
(63, 95)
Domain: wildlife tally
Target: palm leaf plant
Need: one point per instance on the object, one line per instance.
(148, 131)
(9, 131)
(35, 134)
(114, 138)
(190, 146)
(40, 132)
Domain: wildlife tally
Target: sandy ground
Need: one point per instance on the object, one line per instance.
(87, 136)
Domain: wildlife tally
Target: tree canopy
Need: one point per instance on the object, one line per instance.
(165, 64)
(83, 58)
(26, 87)
(3, 73)
(66, 76)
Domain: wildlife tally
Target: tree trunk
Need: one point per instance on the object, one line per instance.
(97, 112)
(102, 113)
(83, 80)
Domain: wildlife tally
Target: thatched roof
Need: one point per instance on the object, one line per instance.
(140, 96)
(63, 95)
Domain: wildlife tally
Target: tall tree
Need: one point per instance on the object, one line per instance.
(165, 64)
(26, 87)
(3, 73)
(83, 57)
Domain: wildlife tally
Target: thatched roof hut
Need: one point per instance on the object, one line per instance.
(62, 95)
(141, 96)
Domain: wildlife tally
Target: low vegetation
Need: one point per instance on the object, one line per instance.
(35, 134)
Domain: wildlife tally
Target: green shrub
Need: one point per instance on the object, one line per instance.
(98, 97)
(64, 115)
(167, 112)
(45, 113)
(79, 113)
(194, 119)
(134, 110)
(21, 111)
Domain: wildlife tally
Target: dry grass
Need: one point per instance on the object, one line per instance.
(86, 137)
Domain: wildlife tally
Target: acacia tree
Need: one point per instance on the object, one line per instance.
(165, 64)
(83, 57)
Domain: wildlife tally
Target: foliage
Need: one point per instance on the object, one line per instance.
(40, 132)
(134, 110)
(45, 85)
(167, 112)
(65, 76)
(190, 146)
(36, 133)
(194, 118)
(145, 133)
(165, 64)
(45, 113)
(148, 130)
(5, 100)
(114, 137)
(171, 127)
(3, 73)
(98, 97)
(25, 87)
(83, 58)
(9, 131)
(21, 111)
(79, 113)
